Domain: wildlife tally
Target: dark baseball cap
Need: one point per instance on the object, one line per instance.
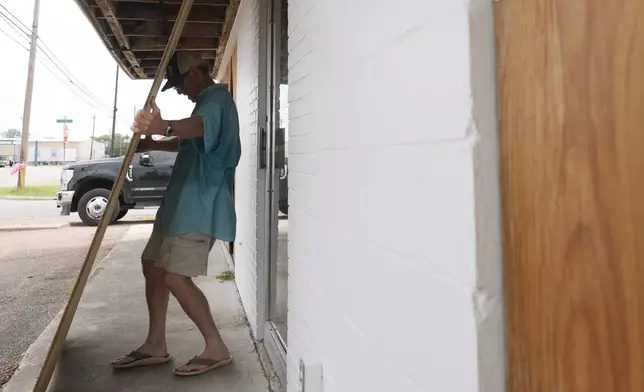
(180, 64)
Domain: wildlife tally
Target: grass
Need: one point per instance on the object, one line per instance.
(32, 190)
(226, 275)
(145, 217)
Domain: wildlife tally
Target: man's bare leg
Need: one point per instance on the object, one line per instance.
(157, 296)
(195, 304)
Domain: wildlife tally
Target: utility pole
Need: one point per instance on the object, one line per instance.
(91, 146)
(24, 137)
(116, 91)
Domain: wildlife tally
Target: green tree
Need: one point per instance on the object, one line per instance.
(120, 143)
(10, 133)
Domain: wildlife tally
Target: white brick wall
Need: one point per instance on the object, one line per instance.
(394, 275)
(246, 174)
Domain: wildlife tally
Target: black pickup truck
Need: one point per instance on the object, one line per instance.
(85, 186)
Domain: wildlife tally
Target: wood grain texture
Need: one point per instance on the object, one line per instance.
(570, 80)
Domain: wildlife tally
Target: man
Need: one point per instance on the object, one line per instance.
(197, 209)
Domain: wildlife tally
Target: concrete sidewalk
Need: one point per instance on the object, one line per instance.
(112, 320)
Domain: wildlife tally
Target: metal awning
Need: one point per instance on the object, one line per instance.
(137, 31)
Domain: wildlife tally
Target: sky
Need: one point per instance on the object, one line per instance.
(64, 30)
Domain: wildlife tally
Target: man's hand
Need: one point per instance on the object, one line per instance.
(149, 122)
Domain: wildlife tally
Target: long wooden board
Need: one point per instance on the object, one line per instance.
(570, 77)
(47, 370)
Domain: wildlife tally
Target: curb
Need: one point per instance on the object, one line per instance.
(33, 228)
(27, 198)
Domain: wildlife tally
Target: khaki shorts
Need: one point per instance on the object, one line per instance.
(185, 255)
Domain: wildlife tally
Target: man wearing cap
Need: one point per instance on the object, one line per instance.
(198, 208)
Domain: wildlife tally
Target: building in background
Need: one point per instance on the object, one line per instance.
(50, 151)
(10, 148)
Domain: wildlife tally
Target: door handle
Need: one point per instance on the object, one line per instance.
(280, 152)
(261, 154)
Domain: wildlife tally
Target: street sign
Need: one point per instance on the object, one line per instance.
(65, 133)
(64, 121)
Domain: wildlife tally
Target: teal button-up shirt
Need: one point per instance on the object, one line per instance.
(199, 197)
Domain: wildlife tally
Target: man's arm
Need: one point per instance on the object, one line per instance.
(151, 122)
(189, 128)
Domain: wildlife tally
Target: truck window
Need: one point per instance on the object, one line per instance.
(163, 158)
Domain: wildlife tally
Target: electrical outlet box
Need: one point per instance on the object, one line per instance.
(310, 376)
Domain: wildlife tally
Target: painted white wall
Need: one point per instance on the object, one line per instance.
(246, 175)
(394, 243)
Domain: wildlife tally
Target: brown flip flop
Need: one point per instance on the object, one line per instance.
(210, 364)
(140, 359)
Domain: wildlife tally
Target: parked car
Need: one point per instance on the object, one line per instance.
(85, 186)
(5, 161)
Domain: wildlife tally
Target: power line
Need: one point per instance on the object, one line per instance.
(92, 104)
(14, 40)
(49, 54)
(14, 23)
(83, 90)
(75, 82)
(71, 78)
(46, 48)
(44, 64)
(102, 110)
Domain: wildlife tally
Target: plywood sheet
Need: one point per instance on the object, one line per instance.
(570, 77)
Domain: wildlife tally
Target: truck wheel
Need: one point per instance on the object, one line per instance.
(92, 204)
(120, 215)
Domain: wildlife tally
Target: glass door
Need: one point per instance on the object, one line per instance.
(278, 177)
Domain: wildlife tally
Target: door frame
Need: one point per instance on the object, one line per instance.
(267, 203)
(268, 340)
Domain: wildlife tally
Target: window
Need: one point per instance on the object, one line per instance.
(163, 157)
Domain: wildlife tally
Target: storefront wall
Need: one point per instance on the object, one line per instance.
(394, 243)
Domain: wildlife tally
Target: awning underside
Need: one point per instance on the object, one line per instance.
(137, 31)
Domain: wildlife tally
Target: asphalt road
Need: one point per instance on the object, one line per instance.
(37, 272)
(36, 175)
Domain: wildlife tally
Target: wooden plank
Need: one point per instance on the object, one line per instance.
(47, 371)
(570, 96)
(166, 12)
(231, 15)
(90, 14)
(108, 11)
(178, 2)
(156, 55)
(233, 71)
(154, 44)
(150, 70)
(149, 63)
(156, 28)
